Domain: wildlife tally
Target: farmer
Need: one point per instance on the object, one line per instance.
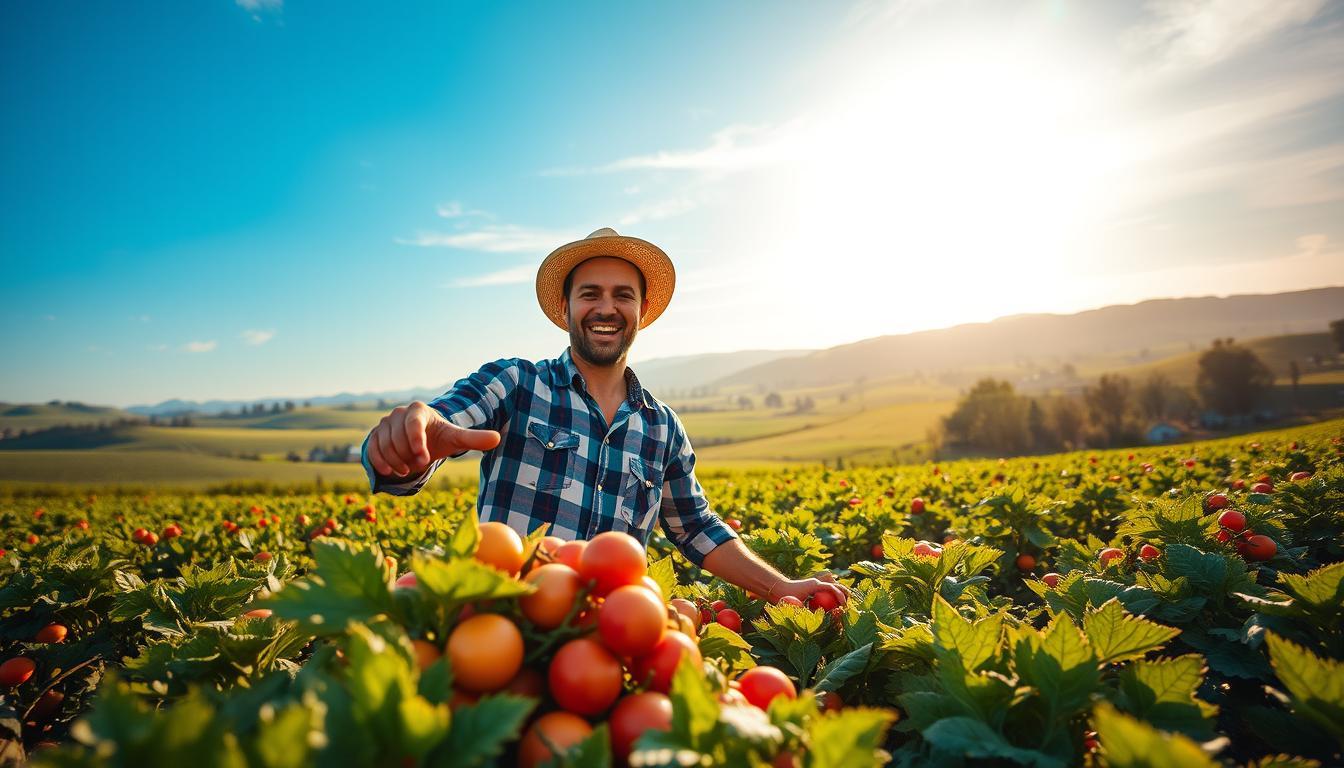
(576, 442)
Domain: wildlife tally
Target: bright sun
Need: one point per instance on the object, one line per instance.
(968, 171)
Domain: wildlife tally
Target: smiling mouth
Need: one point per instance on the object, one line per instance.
(604, 330)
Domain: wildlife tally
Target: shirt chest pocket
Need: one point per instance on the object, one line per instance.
(642, 495)
(549, 453)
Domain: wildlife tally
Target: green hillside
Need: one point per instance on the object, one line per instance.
(30, 416)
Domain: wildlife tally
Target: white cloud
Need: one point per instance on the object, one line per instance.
(454, 210)
(734, 148)
(199, 346)
(663, 209)
(512, 276)
(260, 5)
(257, 338)
(493, 239)
(1192, 34)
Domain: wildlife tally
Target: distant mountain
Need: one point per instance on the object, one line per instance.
(667, 374)
(215, 407)
(1046, 338)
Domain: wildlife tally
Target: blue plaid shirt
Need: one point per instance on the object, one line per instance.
(558, 462)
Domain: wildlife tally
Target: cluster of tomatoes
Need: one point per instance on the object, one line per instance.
(622, 643)
(1232, 527)
(20, 669)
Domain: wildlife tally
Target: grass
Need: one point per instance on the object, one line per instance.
(871, 436)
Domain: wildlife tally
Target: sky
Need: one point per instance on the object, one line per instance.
(283, 198)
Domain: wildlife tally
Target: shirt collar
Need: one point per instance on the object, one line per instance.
(564, 373)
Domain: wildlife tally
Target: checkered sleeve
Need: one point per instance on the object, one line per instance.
(479, 400)
(687, 519)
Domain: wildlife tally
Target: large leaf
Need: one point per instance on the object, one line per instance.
(480, 731)
(850, 738)
(1163, 694)
(972, 643)
(1059, 663)
(349, 585)
(1118, 636)
(964, 736)
(1129, 743)
(840, 671)
(1316, 684)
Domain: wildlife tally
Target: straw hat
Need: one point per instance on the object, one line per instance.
(659, 276)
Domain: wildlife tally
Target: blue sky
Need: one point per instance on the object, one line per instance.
(258, 199)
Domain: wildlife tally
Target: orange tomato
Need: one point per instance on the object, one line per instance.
(635, 714)
(501, 547)
(426, 653)
(613, 559)
(52, 633)
(557, 588)
(686, 608)
(561, 730)
(584, 677)
(570, 553)
(631, 621)
(485, 651)
(656, 666)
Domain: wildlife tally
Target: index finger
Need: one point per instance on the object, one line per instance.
(415, 438)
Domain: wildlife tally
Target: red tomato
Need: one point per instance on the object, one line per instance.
(1262, 487)
(1232, 520)
(1299, 476)
(790, 600)
(1108, 554)
(730, 619)
(150, 539)
(760, 685)
(631, 621)
(407, 581)
(485, 651)
(612, 559)
(877, 552)
(1259, 547)
(1149, 552)
(825, 600)
(172, 532)
(16, 671)
(830, 701)
(258, 613)
(500, 546)
(139, 534)
(571, 553)
(1025, 562)
(706, 616)
(557, 589)
(262, 557)
(925, 549)
(717, 605)
(656, 666)
(1223, 535)
(1051, 580)
(556, 729)
(584, 677)
(1215, 501)
(917, 504)
(52, 633)
(635, 714)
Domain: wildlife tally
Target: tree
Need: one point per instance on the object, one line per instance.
(1042, 437)
(1108, 405)
(1232, 379)
(1337, 330)
(773, 400)
(1155, 397)
(1067, 416)
(992, 417)
(745, 403)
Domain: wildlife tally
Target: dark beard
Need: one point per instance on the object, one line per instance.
(578, 341)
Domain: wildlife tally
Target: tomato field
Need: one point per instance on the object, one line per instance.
(1161, 606)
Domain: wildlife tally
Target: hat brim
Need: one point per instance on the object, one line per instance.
(660, 278)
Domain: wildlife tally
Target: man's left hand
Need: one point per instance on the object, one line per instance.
(803, 589)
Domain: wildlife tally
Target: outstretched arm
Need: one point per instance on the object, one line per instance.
(734, 563)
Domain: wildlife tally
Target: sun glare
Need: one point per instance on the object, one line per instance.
(975, 167)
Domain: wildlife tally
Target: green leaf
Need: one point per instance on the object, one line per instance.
(285, 740)
(663, 572)
(1118, 636)
(972, 643)
(1206, 571)
(1129, 743)
(465, 538)
(348, 586)
(1059, 663)
(1322, 589)
(849, 738)
(1163, 694)
(968, 737)
(480, 731)
(695, 707)
(465, 580)
(1316, 684)
(719, 642)
(841, 670)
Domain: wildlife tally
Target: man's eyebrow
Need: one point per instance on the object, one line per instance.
(587, 286)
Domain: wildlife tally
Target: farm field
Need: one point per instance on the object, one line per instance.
(1175, 606)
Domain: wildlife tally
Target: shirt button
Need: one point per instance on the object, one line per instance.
(599, 487)
(648, 483)
(550, 445)
(606, 440)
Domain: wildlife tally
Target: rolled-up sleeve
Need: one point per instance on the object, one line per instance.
(477, 401)
(687, 519)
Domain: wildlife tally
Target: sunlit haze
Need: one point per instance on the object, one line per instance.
(291, 199)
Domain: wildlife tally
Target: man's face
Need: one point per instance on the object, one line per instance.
(604, 307)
